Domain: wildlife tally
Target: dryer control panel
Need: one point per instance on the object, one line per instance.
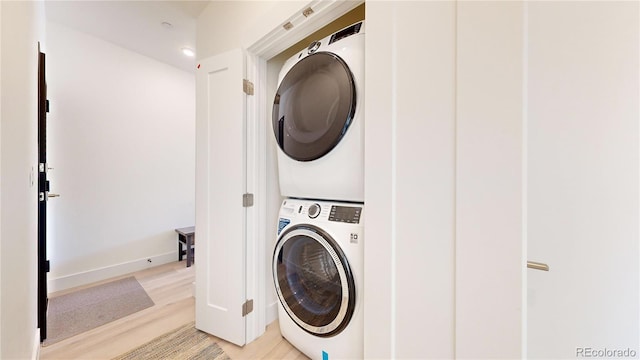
(346, 214)
(351, 30)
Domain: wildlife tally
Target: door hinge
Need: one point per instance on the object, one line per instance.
(247, 200)
(47, 266)
(247, 307)
(247, 87)
(47, 106)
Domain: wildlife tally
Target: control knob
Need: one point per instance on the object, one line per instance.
(314, 211)
(313, 47)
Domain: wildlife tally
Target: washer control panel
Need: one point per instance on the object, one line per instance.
(319, 211)
(345, 214)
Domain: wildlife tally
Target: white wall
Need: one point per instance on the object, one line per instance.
(22, 28)
(121, 142)
(0, 177)
(224, 25)
(583, 176)
(489, 260)
(409, 180)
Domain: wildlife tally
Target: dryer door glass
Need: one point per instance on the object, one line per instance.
(313, 281)
(314, 106)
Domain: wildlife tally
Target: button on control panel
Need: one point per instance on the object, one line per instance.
(345, 214)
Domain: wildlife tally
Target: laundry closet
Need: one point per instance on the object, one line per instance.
(324, 187)
(316, 190)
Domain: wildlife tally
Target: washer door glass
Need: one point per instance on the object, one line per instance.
(314, 106)
(313, 280)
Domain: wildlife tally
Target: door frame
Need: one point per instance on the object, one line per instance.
(257, 55)
(43, 263)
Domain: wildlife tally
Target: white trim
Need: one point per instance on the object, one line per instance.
(260, 75)
(279, 39)
(256, 184)
(394, 181)
(90, 276)
(525, 184)
(1, 204)
(35, 352)
(272, 312)
(251, 219)
(273, 43)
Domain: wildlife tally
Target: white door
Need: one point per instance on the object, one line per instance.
(220, 184)
(582, 179)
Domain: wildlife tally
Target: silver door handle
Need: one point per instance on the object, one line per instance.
(537, 266)
(53, 195)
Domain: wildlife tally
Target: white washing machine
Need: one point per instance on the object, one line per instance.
(318, 271)
(318, 119)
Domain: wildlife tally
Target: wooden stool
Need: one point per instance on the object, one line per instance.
(186, 237)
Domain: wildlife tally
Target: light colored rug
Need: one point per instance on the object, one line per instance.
(85, 309)
(183, 343)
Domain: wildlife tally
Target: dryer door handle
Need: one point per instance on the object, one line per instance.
(281, 132)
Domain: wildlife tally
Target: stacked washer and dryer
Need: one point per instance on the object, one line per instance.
(318, 123)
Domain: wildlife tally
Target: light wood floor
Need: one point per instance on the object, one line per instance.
(170, 288)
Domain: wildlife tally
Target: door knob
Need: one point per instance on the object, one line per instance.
(537, 266)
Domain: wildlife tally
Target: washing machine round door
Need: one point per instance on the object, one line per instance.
(314, 106)
(313, 280)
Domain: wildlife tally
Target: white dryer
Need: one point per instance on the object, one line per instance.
(318, 271)
(318, 119)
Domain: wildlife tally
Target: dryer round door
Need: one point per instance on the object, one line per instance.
(313, 280)
(314, 106)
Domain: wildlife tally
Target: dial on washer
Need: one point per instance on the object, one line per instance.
(314, 211)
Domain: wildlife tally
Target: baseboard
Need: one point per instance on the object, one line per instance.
(90, 276)
(272, 313)
(35, 352)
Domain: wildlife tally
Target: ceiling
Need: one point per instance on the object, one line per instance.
(136, 25)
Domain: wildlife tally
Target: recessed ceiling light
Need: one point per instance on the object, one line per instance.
(188, 52)
(166, 25)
